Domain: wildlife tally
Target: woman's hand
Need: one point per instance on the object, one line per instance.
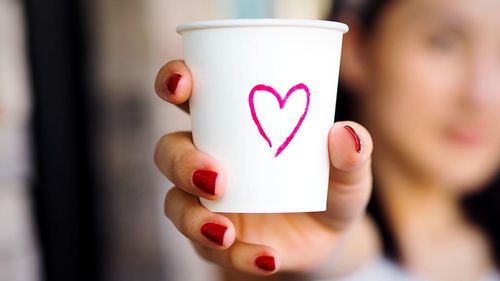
(259, 244)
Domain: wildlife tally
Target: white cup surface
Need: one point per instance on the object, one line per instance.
(263, 103)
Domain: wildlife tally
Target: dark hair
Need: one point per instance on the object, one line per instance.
(483, 207)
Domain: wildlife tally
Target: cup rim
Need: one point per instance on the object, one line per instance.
(228, 23)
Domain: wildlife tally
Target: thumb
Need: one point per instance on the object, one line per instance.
(350, 147)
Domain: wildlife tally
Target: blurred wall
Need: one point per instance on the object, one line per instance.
(18, 245)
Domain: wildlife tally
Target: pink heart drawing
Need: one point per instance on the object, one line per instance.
(281, 102)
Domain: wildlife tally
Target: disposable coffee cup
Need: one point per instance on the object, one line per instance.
(262, 105)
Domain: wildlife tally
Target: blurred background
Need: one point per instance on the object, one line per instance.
(80, 198)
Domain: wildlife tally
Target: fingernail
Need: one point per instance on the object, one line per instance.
(172, 82)
(265, 263)
(357, 141)
(205, 180)
(214, 232)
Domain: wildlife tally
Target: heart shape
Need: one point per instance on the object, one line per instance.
(281, 102)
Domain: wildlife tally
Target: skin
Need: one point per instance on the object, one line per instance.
(428, 84)
(299, 242)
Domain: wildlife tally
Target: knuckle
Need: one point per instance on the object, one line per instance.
(158, 155)
(187, 157)
(181, 164)
(171, 158)
(182, 211)
(182, 220)
(168, 202)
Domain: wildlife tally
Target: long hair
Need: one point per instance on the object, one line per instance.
(482, 208)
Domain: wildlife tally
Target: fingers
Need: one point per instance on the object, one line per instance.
(214, 236)
(189, 169)
(173, 83)
(350, 147)
(197, 223)
(243, 257)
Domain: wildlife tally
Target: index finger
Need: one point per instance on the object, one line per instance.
(173, 84)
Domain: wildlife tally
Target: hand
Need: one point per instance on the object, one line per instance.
(259, 244)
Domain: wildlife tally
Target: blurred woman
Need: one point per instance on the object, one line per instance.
(423, 77)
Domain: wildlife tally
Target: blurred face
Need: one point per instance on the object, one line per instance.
(430, 89)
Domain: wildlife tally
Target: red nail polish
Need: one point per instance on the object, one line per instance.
(205, 180)
(357, 141)
(214, 232)
(172, 83)
(265, 263)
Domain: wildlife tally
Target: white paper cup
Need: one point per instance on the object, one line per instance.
(263, 102)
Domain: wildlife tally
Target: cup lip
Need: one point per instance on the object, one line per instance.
(271, 22)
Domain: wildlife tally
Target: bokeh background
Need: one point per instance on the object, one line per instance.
(80, 198)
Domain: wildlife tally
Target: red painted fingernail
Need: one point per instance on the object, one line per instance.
(172, 82)
(357, 141)
(265, 263)
(205, 180)
(214, 232)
